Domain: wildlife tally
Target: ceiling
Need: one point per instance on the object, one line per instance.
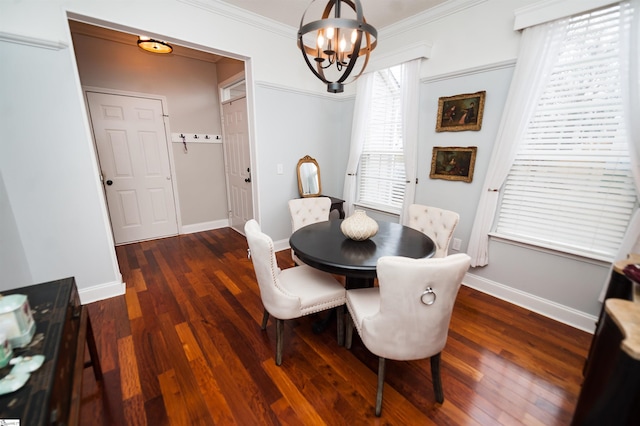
(379, 13)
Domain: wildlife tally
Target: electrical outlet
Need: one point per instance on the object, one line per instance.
(279, 169)
(457, 242)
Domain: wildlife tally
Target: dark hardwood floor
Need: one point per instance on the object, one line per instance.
(184, 347)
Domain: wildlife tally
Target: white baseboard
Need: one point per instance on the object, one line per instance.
(204, 226)
(281, 245)
(550, 309)
(101, 292)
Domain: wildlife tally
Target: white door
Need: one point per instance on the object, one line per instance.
(238, 167)
(134, 159)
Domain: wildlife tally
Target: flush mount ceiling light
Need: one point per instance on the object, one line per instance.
(155, 46)
(337, 42)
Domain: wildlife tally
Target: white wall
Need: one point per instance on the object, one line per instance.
(49, 171)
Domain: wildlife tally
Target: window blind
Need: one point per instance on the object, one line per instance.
(381, 173)
(571, 187)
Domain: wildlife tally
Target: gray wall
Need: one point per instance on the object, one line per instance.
(13, 262)
(292, 124)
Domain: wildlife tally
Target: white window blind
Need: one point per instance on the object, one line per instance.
(570, 187)
(381, 173)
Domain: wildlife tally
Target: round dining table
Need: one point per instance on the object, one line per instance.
(322, 245)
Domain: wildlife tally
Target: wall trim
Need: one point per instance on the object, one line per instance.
(33, 41)
(401, 55)
(102, 291)
(509, 63)
(331, 96)
(547, 308)
(204, 226)
(281, 245)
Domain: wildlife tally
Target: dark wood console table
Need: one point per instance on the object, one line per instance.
(610, 393)
(52, 394)
(336, 204)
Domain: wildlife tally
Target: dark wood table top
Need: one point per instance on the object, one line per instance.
(49, 304)
(323, 246)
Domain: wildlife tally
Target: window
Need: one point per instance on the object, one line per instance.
(381, 182)
(571, 186)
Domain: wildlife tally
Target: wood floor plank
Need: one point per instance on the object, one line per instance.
(174, 400)
(129, 376)
(184, 346)
(298, 402)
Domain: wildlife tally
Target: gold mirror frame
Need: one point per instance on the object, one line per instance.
(306, 171)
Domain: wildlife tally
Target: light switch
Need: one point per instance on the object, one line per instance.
(280, 169)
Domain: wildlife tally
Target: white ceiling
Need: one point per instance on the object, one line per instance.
(379, 13)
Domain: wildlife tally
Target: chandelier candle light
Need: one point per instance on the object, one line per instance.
(337, 43)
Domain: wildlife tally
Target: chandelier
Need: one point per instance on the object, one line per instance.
(337, 42)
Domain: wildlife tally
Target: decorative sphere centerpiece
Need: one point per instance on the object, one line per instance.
(359, 226)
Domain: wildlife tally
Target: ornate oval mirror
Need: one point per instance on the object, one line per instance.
(309, 177)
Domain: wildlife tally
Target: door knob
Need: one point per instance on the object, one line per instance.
(109, 182)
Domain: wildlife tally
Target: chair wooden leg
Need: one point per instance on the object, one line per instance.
(381, 370)
(348, 332)
(435, 377)
(279, 338)
(340, 322)
(265, 318)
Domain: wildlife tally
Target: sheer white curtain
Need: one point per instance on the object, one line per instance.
(410, 113)
(629, 59)
(538, 51)
(364, 91)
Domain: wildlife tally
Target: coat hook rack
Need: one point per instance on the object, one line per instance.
(184, 137)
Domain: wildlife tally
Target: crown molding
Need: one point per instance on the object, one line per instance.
(33, 41)
(441, 11)
(404, 54)
(510, 63)
(244, 16)
(327, 96)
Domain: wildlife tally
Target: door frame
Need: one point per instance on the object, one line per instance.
(167, 131)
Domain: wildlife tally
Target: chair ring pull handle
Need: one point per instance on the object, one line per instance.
(428, 297)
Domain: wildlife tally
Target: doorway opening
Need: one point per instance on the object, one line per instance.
(188, 78)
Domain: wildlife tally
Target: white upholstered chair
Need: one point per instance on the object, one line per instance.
(407, 317)
(305, 211)
(437, 224)
(292, 292)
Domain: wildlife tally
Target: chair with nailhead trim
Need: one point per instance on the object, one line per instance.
(406, 317)
(305, 211)
(293, 292)
(438, 224)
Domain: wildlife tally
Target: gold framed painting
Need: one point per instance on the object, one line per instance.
(460, 112)
(453, 163)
